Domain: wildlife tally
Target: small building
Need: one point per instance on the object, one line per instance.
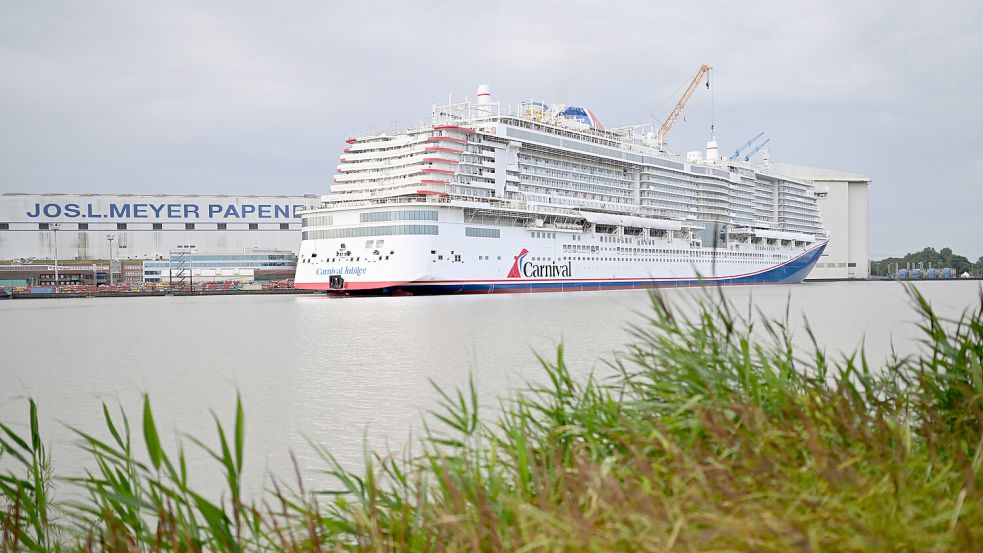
(130, 271)
(74, 276)
(188, 267)
(842, 199)
(46, 275)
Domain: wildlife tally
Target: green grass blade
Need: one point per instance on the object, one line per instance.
(150, 436)
(240, 430)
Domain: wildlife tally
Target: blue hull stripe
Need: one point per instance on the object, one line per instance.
(791, 272)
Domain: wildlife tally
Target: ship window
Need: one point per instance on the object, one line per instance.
(391, 230)
(189, 226)
(475, 232)
(401, 215)
(82, 226)
(253, 226)
(319, 220)
(284, 226)
(120, 226)
(222, 226)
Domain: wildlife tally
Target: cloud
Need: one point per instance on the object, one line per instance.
(255, 97)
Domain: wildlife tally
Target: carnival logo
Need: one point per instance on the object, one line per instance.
(515, 271)
(521, 268)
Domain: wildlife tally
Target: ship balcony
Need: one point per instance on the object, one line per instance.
(375, 165)
(377, 153)
(440, 160)
(353, 176)
(439, 171)
(446, 139)
(453, 128)
(442, 150)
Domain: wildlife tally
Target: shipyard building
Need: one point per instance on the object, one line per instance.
(842, 199)
(85, 227)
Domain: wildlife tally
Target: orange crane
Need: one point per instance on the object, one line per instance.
(660, 137)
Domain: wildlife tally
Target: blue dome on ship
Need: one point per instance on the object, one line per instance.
(583, 115)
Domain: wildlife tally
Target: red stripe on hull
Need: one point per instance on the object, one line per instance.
(348, 285)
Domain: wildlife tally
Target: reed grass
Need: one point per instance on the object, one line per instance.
(717, 434)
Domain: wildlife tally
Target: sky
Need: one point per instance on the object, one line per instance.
(250, 97)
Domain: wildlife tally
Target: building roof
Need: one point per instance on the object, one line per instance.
(816, 173)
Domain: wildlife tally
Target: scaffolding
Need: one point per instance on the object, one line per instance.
(179, 267)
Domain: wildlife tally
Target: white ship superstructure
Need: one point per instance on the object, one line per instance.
(486, 197)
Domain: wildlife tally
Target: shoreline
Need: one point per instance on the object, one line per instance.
(157, 293)
(296, 291)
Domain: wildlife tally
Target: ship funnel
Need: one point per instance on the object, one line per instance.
(484, 95)
(713, 153)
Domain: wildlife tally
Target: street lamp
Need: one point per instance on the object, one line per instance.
(110, 237)
(54, 230)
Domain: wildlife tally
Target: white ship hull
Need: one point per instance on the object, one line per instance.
(425, 256)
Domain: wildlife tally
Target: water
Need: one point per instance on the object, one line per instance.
(343, 371)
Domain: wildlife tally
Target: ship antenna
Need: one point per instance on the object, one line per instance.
(712, 108)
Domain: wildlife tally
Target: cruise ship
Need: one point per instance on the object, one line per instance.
(486, 197)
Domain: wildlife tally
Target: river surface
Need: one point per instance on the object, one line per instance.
(346, 372)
